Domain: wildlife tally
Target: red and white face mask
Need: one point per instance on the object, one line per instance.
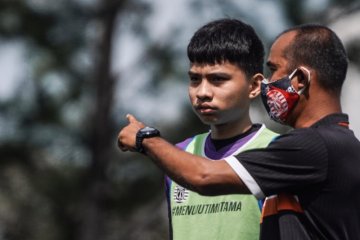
(280, 97)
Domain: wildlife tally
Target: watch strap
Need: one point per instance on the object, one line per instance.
(146, 132)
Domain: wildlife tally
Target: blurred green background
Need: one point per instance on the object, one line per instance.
(71, 70)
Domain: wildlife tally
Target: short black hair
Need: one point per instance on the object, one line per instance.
(227, 40)
(321, 49)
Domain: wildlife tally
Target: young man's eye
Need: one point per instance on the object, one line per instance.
(194, 79)
(219, 78)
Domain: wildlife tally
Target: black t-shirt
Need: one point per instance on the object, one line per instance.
(315, 173)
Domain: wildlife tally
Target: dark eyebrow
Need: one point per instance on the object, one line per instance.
(190, 73)
(218, 74)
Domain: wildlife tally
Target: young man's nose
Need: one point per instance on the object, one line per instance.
(204, 90)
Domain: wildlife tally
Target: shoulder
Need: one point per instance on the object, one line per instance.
(300, 146)
(299, 136)
(183, 144)
(300, 157)
(265, 131)
(297, 147)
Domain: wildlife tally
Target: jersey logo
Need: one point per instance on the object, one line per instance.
(180, 194)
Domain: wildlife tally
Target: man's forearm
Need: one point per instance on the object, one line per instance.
(191, 171)
(194, 172)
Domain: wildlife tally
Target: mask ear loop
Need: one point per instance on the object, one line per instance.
(309, 79)
(308, 73)
(293, 73)
(265, 81)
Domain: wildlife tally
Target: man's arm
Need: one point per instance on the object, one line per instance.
(197, 173)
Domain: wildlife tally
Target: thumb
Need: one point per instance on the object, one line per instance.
(131, 118)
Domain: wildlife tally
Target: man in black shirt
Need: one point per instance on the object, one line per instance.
(310, 176)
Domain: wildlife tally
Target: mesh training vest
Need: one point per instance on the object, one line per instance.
(226, 217)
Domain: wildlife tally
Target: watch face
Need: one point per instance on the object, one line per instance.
(149, 132)
(147, 129)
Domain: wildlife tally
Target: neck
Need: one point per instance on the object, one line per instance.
(228, 130)
(317, 110)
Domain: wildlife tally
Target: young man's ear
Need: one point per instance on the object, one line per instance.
(255, 84)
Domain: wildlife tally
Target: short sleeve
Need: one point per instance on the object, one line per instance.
(292, 163)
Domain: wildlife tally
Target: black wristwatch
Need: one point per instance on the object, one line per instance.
(146, 132)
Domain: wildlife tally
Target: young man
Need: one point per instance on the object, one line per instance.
(310, 176)
(226, 58)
